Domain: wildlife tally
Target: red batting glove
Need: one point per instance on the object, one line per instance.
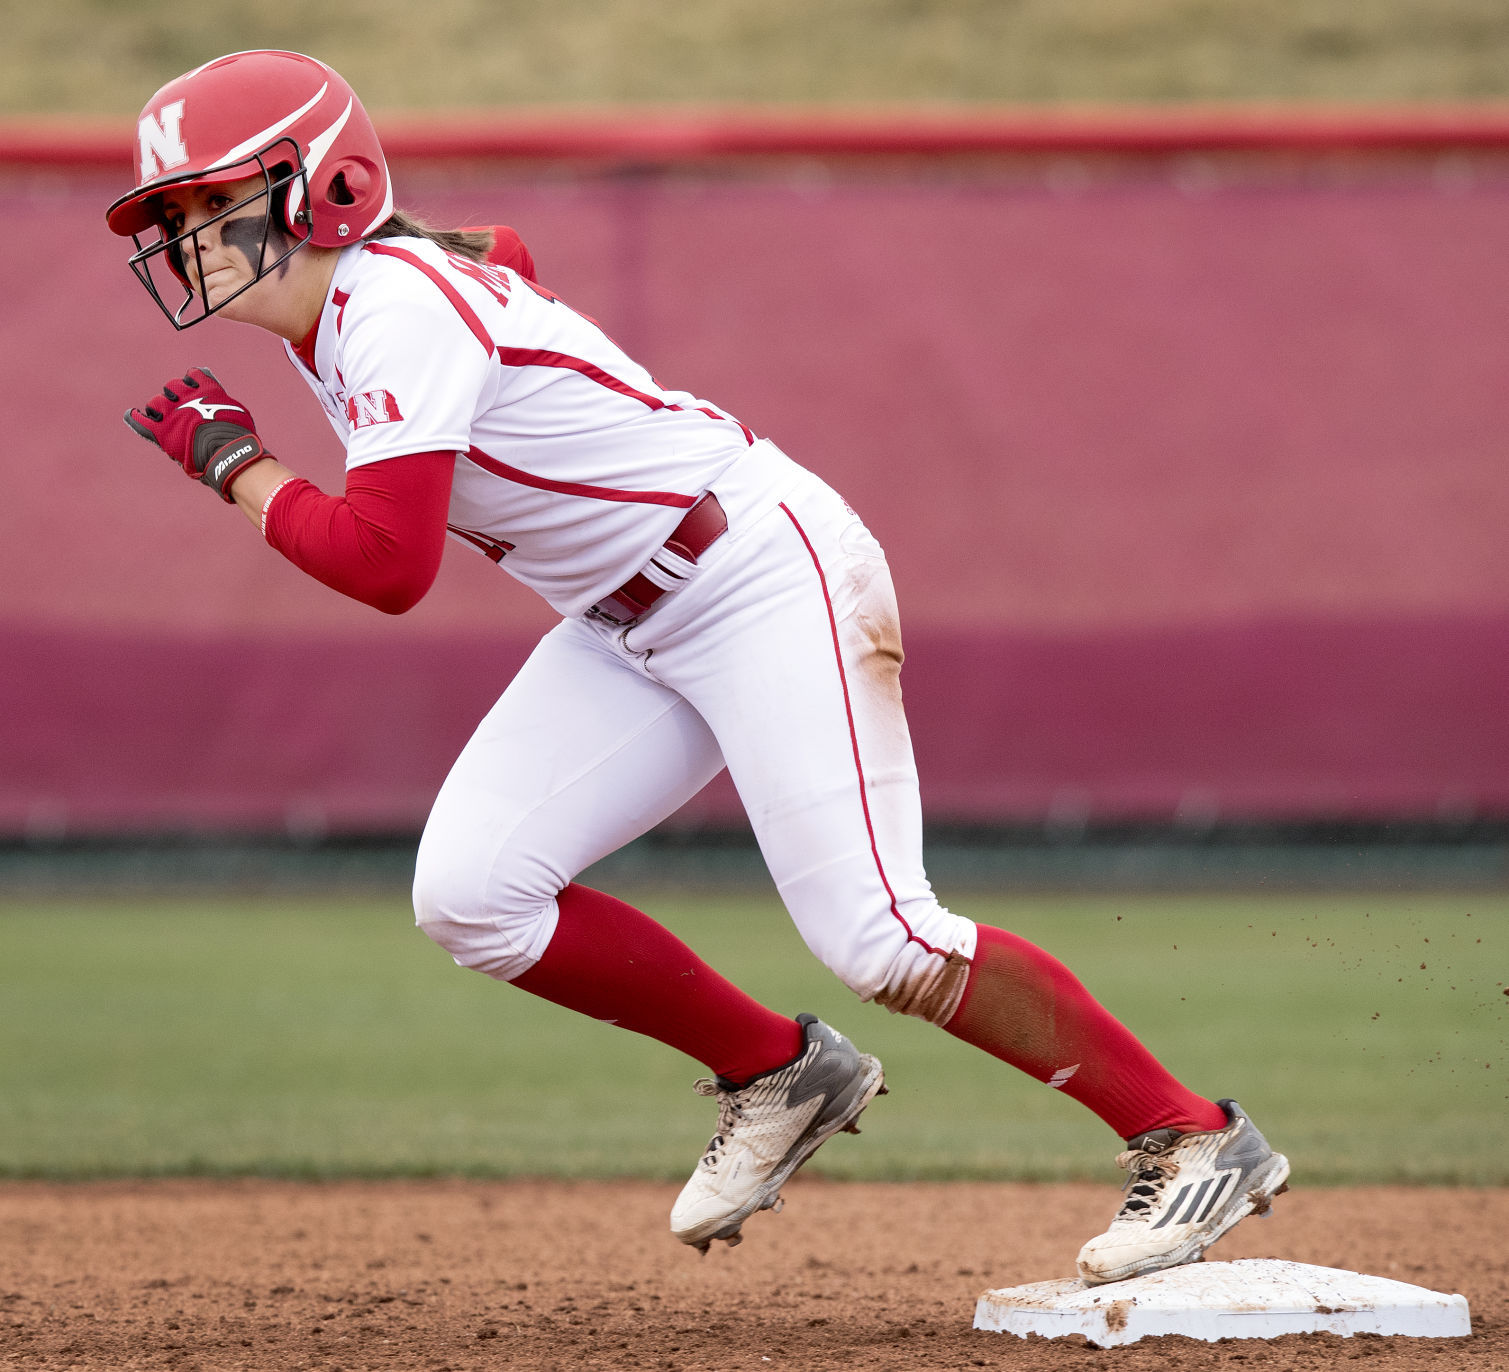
(202, 429)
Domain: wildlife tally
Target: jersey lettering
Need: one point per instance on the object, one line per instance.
(371, 407)
(161, 140)
(487, 276)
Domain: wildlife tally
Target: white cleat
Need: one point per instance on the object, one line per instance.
(1183, 1192)
(768, 1128)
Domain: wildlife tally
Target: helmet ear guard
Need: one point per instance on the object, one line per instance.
(346, 192)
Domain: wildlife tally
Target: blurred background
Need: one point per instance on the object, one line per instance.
(1162, 343)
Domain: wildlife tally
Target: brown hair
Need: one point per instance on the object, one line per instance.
(472, 243)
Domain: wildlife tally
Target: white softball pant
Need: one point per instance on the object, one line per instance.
(780, 660)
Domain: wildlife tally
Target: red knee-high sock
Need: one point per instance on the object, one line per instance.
(1028, 1009)
(613, 962)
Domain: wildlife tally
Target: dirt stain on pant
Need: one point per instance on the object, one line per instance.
(933, 993)
(872, 631)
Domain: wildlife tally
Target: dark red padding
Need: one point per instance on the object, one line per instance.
(381, 542)
(508, 249)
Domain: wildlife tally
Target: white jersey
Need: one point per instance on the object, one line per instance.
(573, 464)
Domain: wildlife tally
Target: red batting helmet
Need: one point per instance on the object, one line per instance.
(281, 115)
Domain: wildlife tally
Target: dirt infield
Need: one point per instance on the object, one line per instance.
(455, 1276)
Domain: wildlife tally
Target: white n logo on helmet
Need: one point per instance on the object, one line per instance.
(161, 141)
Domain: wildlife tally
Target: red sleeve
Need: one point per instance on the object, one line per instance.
(381, 542)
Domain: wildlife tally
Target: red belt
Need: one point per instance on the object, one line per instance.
(703, 525)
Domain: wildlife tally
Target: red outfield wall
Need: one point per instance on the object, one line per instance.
(1191, 468)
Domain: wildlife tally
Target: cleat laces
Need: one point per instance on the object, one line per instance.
(730, 1111)
(1146, 1178)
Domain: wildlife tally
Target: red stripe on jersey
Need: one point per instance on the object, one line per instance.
(729, 419)
(340, 298)
(539, 357)
(843, 681)
(542, 483)
(466, 312)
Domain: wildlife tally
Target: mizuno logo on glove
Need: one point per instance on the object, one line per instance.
(210, 411)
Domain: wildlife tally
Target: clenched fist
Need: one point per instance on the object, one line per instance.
(199, 426)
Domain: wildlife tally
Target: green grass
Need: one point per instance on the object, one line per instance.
(103, 56)
(320, 1038)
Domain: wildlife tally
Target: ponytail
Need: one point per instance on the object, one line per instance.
(472, 243)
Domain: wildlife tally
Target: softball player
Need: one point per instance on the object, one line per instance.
(720, 607)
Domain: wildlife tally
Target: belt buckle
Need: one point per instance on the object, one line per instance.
(603, 616)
